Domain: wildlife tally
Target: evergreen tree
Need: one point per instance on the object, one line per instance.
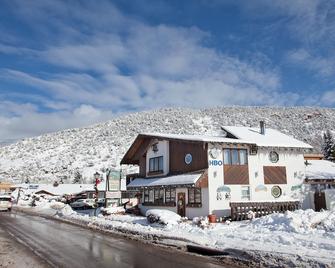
(328, 146)
(77, 177)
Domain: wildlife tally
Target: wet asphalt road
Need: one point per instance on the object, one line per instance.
(65, 245)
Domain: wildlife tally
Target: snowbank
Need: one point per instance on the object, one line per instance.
(162, 216)
(300, 221)
(113, 210)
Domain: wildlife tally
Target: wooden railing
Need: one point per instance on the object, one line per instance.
(240, 210)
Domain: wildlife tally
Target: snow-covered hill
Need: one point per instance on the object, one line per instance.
(86, 150)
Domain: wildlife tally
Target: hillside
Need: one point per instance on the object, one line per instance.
(86, 150)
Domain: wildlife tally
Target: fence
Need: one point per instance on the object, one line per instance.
(239, 210)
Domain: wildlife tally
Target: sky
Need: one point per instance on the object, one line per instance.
(72, 63)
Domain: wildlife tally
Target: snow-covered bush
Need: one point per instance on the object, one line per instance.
(162, 216)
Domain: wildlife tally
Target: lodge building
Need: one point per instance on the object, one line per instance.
(195, 175)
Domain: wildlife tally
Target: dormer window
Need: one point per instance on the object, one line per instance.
(156, 164)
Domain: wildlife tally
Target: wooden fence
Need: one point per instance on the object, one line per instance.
(239, 210)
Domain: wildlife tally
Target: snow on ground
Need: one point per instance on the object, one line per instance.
(303, 233)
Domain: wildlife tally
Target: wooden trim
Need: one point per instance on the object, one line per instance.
(177, 152)
(202, 181)
(158, 172)
(236, 174)
(173, 204)
(274, 175)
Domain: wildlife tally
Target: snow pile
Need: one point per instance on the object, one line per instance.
(45, 206)
(300, 221)
(162, 216)
(113, 210)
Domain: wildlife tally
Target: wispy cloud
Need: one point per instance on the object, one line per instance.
(101, 62)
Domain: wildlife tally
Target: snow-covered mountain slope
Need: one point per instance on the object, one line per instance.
(86, 150)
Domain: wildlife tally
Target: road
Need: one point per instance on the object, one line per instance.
(64, 245)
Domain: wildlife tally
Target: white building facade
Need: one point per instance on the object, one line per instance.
(200, 175)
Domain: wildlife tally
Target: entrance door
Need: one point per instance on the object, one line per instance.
(320, 201)
(181, 204)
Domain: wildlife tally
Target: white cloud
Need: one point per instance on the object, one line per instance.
(118, 63)
(328, 97)
(322, 66)
(32, 123)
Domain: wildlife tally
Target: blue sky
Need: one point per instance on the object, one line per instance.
(72, 63)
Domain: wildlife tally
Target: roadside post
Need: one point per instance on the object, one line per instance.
(96, 182)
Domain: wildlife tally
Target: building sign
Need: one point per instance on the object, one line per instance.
(114, 180)
(215, 162)
(113, 194)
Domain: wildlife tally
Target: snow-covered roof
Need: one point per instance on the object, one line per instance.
(183, 179)
(203, 138)
(246, 135)
(320, 170)
(271, 137)
(61, 188)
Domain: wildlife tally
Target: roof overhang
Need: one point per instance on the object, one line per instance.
(319, 181)
(182, 180)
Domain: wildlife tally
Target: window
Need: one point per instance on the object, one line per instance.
(156, 164)
(170, 195)
(159, 196)
(148, 196)
(245, 193)
(243, 157)
(235, 157)
(194, 196)
(226, 157)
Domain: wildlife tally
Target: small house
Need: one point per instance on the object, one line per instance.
(320, 182)
(198, 175)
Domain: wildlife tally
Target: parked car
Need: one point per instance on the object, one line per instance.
(5, 203)
(82, 204)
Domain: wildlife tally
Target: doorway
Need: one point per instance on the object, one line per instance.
(181, 204)
(320, 201)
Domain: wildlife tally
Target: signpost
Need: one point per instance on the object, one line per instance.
(113, 185)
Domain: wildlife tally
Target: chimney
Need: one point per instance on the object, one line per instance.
(262, 127)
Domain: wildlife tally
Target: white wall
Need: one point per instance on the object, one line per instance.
(295, 173)
(163, 150)
(330, 198)
(295, 170)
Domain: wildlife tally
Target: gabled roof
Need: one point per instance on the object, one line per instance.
(271, 137)
(235, 135)
(142, 141)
